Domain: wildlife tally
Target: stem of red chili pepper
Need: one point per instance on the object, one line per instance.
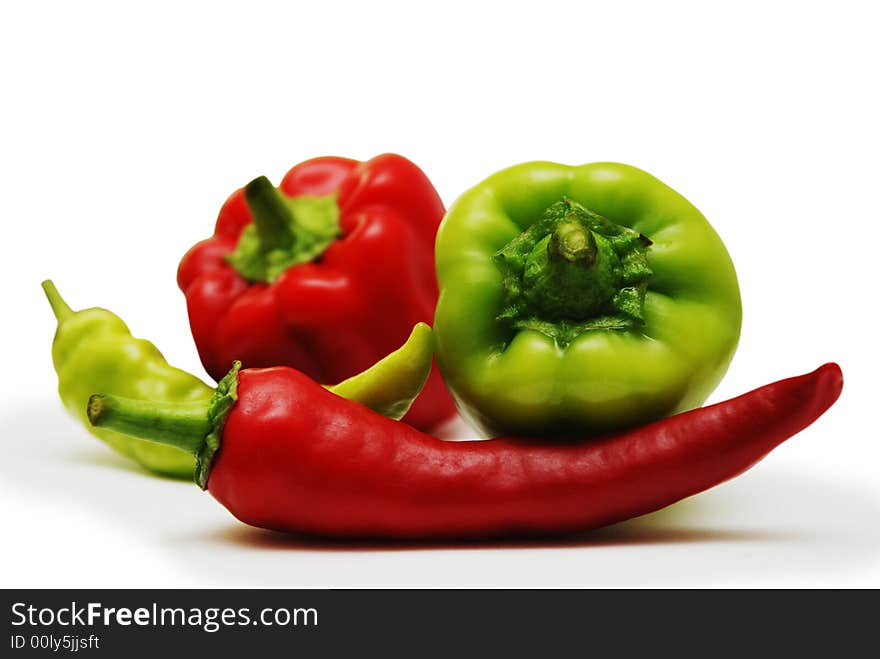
(272, 216)
(182, 425)
(59, 306)
(192, 427)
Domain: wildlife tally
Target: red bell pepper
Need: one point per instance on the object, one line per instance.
(327, 273)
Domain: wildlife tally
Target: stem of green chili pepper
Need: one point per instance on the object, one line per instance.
(182, 425)
(59, 306)
(272, 216)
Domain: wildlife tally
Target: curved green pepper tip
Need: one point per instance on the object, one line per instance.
(390, 386)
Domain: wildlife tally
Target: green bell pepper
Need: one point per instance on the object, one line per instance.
(580, 300)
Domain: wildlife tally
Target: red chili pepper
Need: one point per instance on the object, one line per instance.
(294, 457)
(337, 268)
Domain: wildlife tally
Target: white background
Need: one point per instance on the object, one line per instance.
(123, 130)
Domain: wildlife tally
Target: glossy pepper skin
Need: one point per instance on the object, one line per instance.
(94, 350)
(293, 457)
(578, 300)
(331, 291)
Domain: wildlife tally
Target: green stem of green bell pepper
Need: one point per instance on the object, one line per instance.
(573, 271)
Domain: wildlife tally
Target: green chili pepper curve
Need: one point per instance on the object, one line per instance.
(94, 351)
(390, 386)
(580, 299)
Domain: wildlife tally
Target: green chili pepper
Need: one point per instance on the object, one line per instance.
(581, 299)
(94, 350)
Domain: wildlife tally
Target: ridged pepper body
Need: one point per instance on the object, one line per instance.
(538, 342)
(341, 311)
(93, 350)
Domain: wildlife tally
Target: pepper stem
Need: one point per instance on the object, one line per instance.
(59, 306)
(574, 243)
(192, 427)
(182, 425)
(572, 271)
(568, 274)
(272, 215)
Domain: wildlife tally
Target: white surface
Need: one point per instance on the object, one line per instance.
(123, 131)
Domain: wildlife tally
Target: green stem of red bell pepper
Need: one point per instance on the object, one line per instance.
(272, 215)
(285, 232)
